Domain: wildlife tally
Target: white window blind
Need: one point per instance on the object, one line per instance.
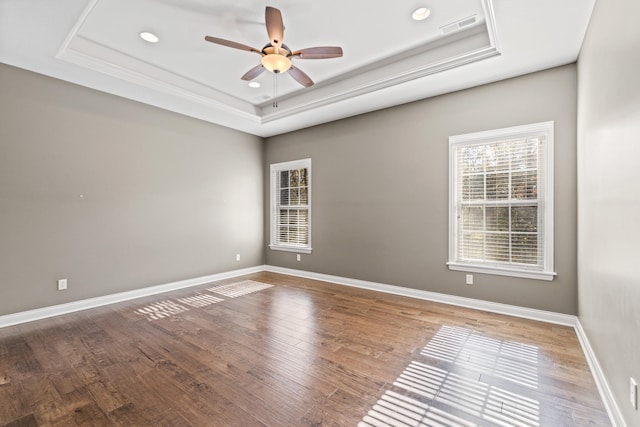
(290, 206)
(501, 215)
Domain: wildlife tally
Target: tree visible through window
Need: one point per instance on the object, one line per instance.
(290, 206)
(501, 202)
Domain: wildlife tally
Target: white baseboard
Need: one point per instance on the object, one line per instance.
(56, 310)
(70, 307)
(544, 316)
(494, 307)
(527, 313)
(601, 381)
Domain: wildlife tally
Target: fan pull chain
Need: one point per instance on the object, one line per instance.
(275, 90)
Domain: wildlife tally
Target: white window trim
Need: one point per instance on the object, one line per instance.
(274, 169)
(547, 273)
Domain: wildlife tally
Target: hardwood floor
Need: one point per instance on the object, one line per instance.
(297, 353)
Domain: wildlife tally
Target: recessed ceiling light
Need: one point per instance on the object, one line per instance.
(421, 13)
(254, 84)
(149, 37)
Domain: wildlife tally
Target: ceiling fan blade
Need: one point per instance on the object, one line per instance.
(300, 76)
(229, 43)
(322, 52)
(275, 26)
(253, 73)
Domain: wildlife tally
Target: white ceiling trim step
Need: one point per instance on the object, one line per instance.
(454, 49)
(389, 58)
(88, 54)
(482, 44)
(154, 78)
(356, 90)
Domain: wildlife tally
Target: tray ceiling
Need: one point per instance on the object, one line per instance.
(389, 58)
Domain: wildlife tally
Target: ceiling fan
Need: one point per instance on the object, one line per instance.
(277, 56)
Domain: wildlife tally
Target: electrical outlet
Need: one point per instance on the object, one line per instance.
(237, 257)
(633, 393)
(298, 257)
(469, 279)
(62, 284)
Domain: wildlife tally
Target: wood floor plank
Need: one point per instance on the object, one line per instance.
(7, 410)
(300, 353)
(28, 421)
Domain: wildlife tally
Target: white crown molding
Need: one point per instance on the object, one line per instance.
(70, 307)
(88, 54)
(419, 62)
(225, 103)
(37, 31)
(490, 18)
(477, 45)
(383, 83)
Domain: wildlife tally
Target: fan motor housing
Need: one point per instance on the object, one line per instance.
(275, 59)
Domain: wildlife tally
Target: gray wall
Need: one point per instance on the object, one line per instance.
(166, 197)
(609, 193)
(380, 189)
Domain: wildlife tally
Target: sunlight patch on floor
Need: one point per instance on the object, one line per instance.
(161, 310)
(167, 308)
(451, 385)
(200, 300)
(395, 410)
(237, 289)
(512, 361)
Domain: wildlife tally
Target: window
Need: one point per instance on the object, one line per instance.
(501, 202)
(291, 206)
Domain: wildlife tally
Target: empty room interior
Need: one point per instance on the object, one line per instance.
(412, 213)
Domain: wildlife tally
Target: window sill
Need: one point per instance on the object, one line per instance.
(297, 249)
(502, 271)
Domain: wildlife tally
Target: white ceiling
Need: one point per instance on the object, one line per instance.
(389, 59)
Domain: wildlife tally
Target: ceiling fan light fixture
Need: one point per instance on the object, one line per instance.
(149, 37)
(276, 56)
(254, 85)
(421, 14)
(276, 63)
